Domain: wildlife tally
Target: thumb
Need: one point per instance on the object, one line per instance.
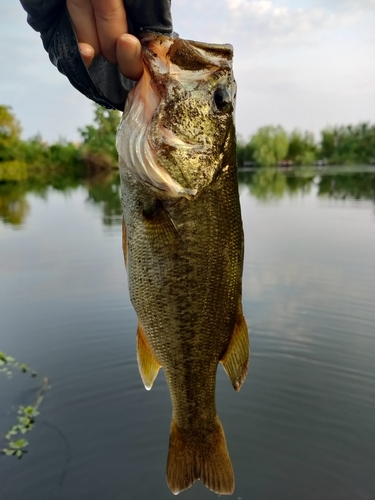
(87, 53)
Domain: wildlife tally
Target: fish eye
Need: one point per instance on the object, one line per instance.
(222, 99)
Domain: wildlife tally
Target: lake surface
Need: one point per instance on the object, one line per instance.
(302, 426)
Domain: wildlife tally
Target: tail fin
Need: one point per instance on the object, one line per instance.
(204, 457)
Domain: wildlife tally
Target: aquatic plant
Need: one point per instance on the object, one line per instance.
(8, 364)
(26, 415)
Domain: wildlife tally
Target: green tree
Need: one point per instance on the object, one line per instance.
(99, 139)
(301, 148)
(351, 144)
(270, 145)
(35, 152)
(245, 152)
(10, 132)
(328, 143)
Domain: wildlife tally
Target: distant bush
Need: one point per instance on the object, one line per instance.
(351, 144)
(302, 149)
(269, 146)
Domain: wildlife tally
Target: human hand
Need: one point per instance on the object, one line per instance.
(101, 28)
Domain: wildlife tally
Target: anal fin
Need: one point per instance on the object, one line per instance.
(236, 358)
(147, 364)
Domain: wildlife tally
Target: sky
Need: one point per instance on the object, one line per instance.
(304, 64)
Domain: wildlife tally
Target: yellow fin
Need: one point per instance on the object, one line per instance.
(203, 456)
(147, 364)
(236, 358)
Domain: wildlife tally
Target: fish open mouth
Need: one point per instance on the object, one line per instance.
(169, 137)
(133, 143)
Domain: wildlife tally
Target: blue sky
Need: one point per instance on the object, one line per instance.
(301, 64)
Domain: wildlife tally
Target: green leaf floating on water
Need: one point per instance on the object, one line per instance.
(29, 411)
(16, 448)
(26, 415)
(8, 452)
(19, 444)
(9, 363)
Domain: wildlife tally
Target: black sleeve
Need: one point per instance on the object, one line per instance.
(102, 82)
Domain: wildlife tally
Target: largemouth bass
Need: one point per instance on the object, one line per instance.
(183, 244)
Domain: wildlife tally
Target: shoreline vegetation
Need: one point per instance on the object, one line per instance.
(272, 146)
(34, 167)
(34, 159)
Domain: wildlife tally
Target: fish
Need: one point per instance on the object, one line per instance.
(183, 244)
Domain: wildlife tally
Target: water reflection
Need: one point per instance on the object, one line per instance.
(359, 186)
(103, 190)
(14, 206)
(268, 183)
(303, 425)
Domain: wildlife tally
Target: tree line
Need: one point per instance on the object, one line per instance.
(20, 159)
(340, 145)
(269, 146)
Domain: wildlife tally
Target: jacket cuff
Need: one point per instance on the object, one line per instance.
(102, 82)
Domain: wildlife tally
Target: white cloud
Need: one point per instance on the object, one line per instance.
(264, 23)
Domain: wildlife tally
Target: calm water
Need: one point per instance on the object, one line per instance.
(303, 425)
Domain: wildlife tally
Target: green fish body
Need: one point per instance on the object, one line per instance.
(183, 244)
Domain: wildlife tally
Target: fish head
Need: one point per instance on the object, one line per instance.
(180, 116)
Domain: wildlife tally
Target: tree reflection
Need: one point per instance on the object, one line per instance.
(300, 183)
(14, 206)
(265, 183)
(358, 186)
(268, 183)
(105, 191)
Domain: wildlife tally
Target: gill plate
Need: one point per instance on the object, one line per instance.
(140, 157)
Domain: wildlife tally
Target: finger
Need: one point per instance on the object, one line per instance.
(87, 53)
(83, 19)
(129, 56)
(111, 23)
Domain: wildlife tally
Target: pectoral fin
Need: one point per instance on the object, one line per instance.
(161, 226)
(236, 358)
(147, 364)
